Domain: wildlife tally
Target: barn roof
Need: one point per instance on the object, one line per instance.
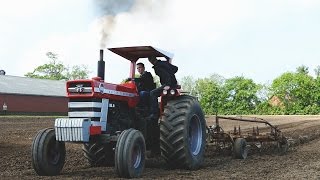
(31, 86)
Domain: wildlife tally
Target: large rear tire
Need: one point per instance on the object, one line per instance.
(98, 154)
(183, 133)
(48, 155)
(130, 154)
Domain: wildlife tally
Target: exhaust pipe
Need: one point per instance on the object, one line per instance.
(101, 67)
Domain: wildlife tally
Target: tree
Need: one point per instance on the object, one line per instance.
(218, 79)
(317, 81)
(298, 93)
(188, 84)
(78, 72)
(303, 69)
(53, 70)
(56, 70)
(240, 96)
(317, 71)
(209, 93)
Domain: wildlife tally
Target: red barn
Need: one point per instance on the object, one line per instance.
(28, 96)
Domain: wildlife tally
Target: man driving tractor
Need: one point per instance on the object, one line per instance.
(145, 84)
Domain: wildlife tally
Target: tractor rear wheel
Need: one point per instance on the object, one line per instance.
(240, 148)
(48, 155)
(98, 154)
(183, 133)
(130, 154)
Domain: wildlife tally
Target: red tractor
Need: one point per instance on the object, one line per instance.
(113, 127)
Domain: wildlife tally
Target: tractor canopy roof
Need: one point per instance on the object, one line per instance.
(135, 52)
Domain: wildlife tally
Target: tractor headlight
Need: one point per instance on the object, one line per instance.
(172, 91)
(165, 92)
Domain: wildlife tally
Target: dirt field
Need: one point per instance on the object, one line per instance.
(301, 162)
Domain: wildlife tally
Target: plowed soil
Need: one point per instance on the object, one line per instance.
(302, 161)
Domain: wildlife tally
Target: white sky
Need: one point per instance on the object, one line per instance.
(256, 39)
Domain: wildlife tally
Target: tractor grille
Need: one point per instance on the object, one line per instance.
(85, 108)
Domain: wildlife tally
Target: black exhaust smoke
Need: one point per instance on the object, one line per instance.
(101, 66)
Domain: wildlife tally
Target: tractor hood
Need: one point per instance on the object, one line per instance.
(135, 52)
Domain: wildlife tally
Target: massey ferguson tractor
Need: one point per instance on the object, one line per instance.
(113, 128)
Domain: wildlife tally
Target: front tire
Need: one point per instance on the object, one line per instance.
(183, 133)
(48, 155)
(130, 154)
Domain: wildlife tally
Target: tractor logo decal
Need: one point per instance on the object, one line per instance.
(79, 88)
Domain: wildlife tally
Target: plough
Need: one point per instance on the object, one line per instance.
(239, 140)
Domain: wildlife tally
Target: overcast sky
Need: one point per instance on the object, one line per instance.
(255, 39)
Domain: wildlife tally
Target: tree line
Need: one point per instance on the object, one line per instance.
(290, 93)
(56, 70)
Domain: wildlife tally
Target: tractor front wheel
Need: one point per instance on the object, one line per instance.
(130, 154)
(48, 155)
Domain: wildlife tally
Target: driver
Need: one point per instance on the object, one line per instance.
(145, 83)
